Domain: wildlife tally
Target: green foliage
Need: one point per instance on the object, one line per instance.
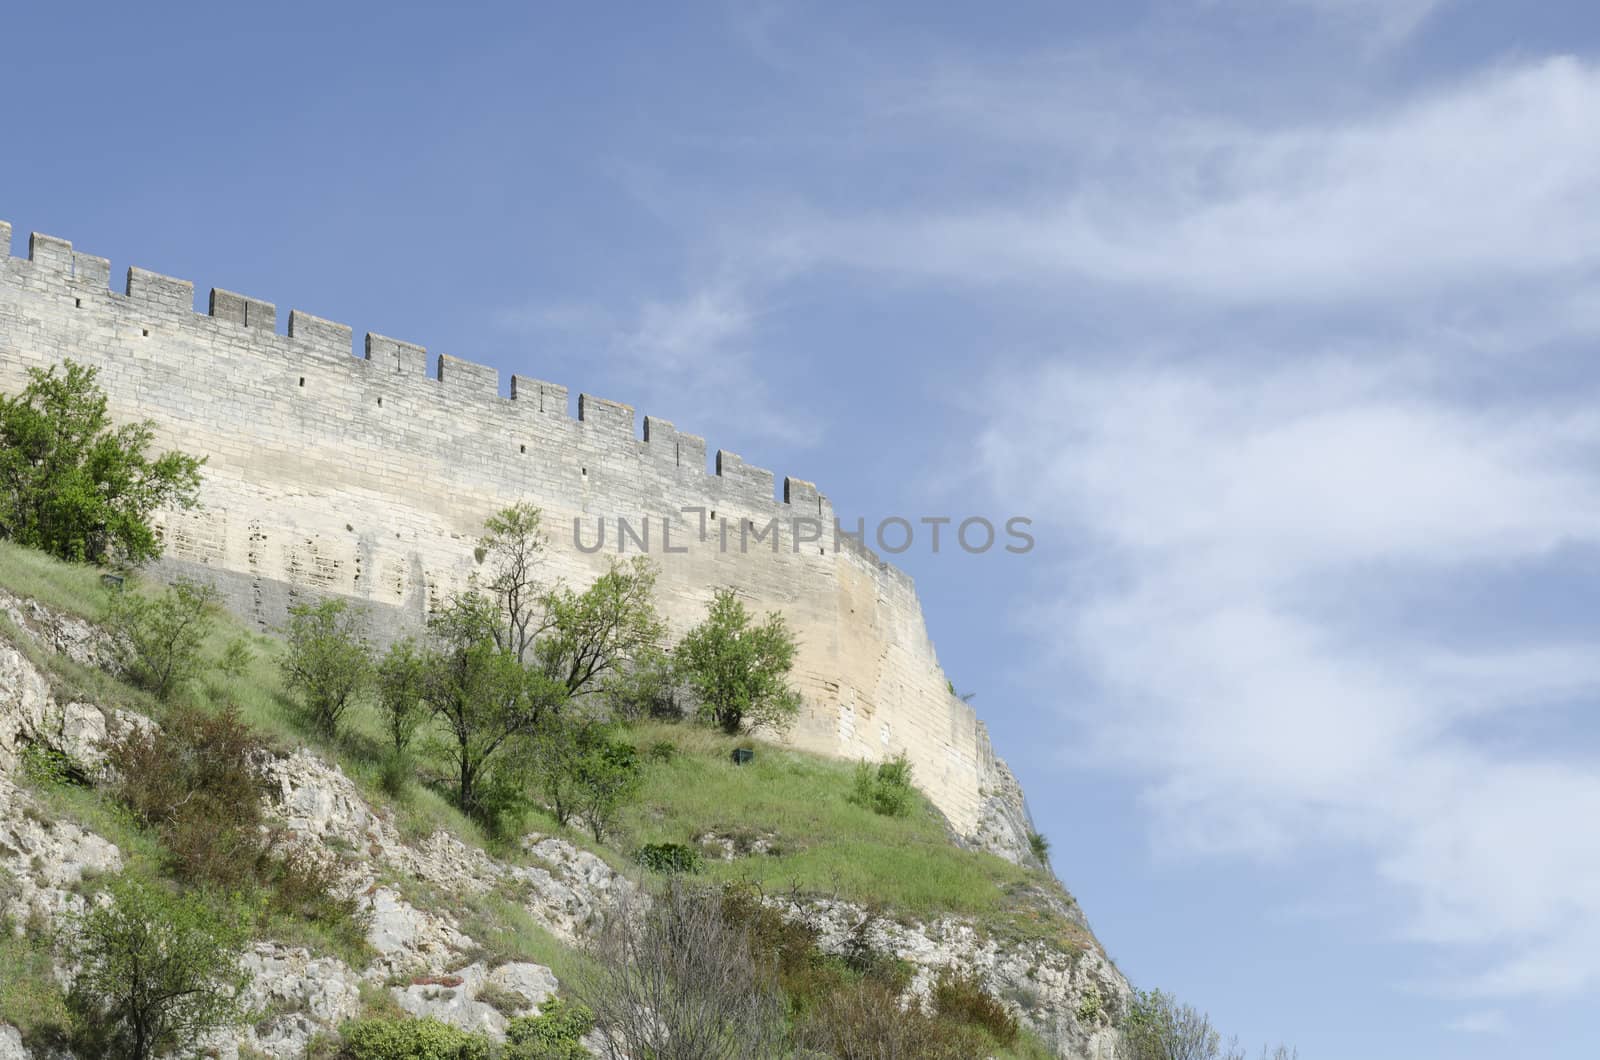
(581, 769)
(158, 640)
(556, 1033)
(44, 765)
(647, 689)
(237, 659)
(410, 1039)
(401, 680)
(668, 857)
(1090, 1006)
(962, 998)
(513, 546)
(1158, 1027)
(194, 783)
(328, 661)
(593, 636)
(30, 998)
(1040, 846)
(73, 485)
(481, 693)
(737, 672)
(886, 788)
(156, 971)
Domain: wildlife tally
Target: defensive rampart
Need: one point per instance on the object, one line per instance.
(370, 476)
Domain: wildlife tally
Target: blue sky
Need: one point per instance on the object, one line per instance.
(1276, 317)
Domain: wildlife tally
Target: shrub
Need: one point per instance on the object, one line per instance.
(156, 971)
(410, 1039)
(677, 979)
(1040, 847)
(962, 998)
(44, 765)
(1158, 1027)
(74, 486)
(668, 858)
(156, 640)
(556, 1033)
(646, 689)
(868, 1022)
(582, 771)
(886, 788)
(194, 782)
(236, 659)
(401, 680)
(328, 661)
(739, 672)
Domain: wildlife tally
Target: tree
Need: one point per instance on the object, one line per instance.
(156, 640)
(156, 971)
(609, 776)
(739, 672)
(402, 680)
(1159, 1028)
(592, 635)
(73, 485)
(513, 544)
(480, 691)
(328, 660)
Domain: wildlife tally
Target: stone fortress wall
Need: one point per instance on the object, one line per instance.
(370, 476)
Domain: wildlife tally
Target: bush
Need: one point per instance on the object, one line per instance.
(401, 679)
(962, 998)
(43, 765)
(74, 486)
(739, 673)
(410, 1039)
(677, 979)
(582, 771)
(668, 858)
(194, 782)
(156, 641)
(157, 971)
(868, 1022)
(328, 661)
(885, 789)
(1040, 847)
(556, 1033)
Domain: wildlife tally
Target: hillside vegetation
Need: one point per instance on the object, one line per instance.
(784, 824)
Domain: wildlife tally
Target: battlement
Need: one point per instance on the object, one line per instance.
(367, 471)
(53, 264)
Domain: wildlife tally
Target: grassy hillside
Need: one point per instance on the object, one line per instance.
(817, 841)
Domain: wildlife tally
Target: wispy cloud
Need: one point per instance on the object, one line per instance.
(1252, 537)
(694, 355)
(1482, 182)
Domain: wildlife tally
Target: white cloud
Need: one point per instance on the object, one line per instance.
(693, 355)
(1386, 22)
(1484, 1021)
(1490, 181)
(1251, 535)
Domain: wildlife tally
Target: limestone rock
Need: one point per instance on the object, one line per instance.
(301, 997)
(462, 998)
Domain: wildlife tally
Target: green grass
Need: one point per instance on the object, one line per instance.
(903, 866)
(826, 844)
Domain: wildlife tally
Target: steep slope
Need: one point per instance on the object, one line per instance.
(455, 924)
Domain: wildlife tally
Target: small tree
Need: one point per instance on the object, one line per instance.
(1157, 1027)
(609, 776)
(73, 485)
(593, 635)
(328, 661)
(157, 640)
(402, 680)
(480, 692)
(884, 788)
(513, 545)
(738, 672)
(156, 971)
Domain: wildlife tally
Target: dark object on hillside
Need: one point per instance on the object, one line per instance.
(112, 581)
(743, 755)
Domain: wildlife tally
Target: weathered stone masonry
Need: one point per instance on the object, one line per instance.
(371, 477)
